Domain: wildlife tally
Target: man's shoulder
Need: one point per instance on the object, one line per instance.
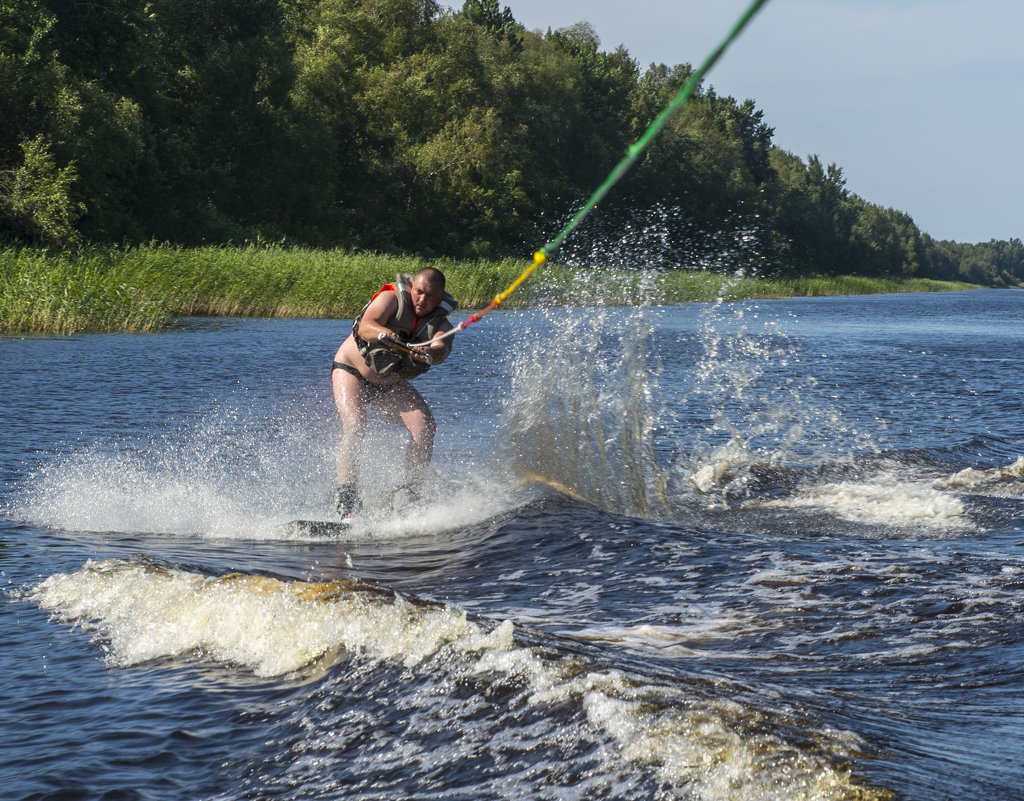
(385, 301)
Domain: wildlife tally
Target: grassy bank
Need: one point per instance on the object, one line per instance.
(142, 289)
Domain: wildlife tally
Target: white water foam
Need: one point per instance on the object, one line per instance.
(703, 748)
(449, 506)
(270, 627)
(884, 501)
(997, 480)
(704, 625)
(768, 414)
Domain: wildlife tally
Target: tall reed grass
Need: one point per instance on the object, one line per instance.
(144, 288)
(65, 294)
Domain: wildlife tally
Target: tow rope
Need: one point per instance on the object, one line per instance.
(632, 154)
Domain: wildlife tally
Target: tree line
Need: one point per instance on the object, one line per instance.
(402, 126)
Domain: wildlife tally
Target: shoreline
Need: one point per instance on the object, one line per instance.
(144, 289)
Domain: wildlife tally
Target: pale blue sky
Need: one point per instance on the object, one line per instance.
(921, 102)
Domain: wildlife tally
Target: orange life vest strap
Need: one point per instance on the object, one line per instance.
(383, 289)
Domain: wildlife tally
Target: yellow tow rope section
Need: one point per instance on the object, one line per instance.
(632, 154)
(538, 259)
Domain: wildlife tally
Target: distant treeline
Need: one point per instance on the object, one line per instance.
(397, 125)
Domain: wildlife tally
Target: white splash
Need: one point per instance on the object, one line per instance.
(220, 475)
(229, 477)
(582, 409)
(268, 626)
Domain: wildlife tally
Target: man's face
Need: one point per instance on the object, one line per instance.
(425, 295)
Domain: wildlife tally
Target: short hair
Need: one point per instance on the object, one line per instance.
(433, 276)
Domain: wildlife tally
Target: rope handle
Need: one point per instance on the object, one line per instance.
(397, 344)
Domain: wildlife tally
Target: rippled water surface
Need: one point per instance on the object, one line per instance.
(759, 550)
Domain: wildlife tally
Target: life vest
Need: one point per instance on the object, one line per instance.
(410, 328)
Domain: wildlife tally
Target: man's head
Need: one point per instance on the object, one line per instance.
(427, 291)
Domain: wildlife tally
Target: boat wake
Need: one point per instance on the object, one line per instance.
(692, 740)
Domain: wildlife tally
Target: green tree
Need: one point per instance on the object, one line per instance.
(39, 108)
(329, 177)
(465, 129)
(813, 215)
(941, 258)
(396, 124)
(36, 199)
(220, 143)
(711, 161)
(886, 242)
(498, 22)
(993, 263)
(600, 129)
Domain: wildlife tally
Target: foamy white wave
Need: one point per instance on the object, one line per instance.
(896, 503)
(451, 506)
(972, 478)
(102, 494)
(706, 749)
(268, 626)
(229, 476)
(712, 475)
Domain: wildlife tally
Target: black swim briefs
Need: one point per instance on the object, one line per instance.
(374, 390)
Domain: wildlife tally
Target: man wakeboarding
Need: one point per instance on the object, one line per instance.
(374, 366)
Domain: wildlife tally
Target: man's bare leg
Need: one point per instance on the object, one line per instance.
(405, 406)
(348, 400)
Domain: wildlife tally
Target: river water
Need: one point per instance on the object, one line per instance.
(752, 550)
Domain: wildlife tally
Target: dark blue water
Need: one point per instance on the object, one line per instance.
(764, 550)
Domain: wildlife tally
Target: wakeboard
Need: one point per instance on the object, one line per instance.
(332, 527)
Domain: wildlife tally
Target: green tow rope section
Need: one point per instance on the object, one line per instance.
(634, 152)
